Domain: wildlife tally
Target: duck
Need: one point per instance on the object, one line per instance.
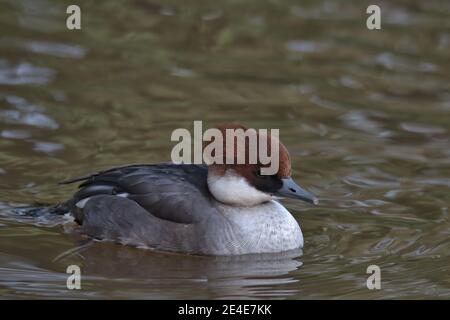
(216, 209)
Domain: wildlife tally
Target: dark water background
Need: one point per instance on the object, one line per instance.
(365, 115)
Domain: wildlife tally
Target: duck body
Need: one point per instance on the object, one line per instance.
(170, 207)
(224, 208)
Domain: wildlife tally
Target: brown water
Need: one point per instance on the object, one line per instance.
(365, 115)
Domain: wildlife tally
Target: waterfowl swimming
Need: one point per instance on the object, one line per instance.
(216, 209)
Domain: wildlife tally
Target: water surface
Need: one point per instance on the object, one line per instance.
(365, 115)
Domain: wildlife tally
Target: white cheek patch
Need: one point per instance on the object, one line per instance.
(235, 190)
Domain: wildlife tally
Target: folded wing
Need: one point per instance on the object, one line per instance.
(177, 193)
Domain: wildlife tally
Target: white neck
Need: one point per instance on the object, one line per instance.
(233, 189)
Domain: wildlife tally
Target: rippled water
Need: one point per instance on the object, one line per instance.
(365, 115)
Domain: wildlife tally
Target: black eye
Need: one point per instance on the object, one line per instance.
(266, 183)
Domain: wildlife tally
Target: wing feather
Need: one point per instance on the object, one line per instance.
(167, 191)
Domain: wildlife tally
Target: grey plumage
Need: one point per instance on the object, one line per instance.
(169, 207)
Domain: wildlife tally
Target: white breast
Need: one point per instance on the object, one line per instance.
(268, 227)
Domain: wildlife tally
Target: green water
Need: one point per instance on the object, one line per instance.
(365, 115)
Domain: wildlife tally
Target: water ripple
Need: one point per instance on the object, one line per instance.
(24, 73)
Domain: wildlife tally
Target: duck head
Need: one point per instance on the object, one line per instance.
(246, 184)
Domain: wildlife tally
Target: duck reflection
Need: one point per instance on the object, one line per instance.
(191, 276)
